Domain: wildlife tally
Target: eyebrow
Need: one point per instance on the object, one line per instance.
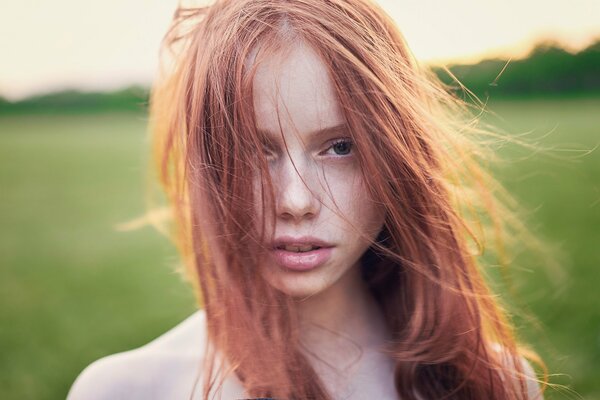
(328, 131)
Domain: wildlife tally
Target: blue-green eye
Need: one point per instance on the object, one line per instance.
(342, 147)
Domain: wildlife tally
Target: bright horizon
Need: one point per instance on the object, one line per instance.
(67, 44)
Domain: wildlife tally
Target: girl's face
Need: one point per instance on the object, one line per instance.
(325, 217)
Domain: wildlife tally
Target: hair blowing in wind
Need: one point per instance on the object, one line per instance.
(420, 160)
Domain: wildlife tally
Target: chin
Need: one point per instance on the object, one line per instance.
(299, 284)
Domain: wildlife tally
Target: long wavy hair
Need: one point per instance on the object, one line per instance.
(421, 156)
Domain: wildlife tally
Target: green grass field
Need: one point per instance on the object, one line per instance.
(561, 190)
(73, 288)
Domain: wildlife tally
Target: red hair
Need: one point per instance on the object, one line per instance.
(451, 339)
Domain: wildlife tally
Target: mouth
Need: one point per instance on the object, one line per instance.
(301, 254)
(298, 248)
(299, 243)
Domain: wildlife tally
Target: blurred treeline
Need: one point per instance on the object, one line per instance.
(549, 70)
(134, 98)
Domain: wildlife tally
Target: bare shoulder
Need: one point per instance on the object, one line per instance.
(167, 367)
(534, 391)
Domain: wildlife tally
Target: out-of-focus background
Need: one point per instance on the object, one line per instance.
(74, 79)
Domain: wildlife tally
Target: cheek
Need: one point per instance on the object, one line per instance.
(261, 206)
(370, 214)
(350, 195)
(257, 197)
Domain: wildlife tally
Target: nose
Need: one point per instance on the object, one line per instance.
(296, 200)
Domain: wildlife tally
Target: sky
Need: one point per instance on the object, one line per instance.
(108, 44)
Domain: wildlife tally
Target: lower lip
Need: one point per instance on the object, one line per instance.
(302, 261)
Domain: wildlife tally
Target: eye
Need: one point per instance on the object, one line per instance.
(341, 147)
(269, 151)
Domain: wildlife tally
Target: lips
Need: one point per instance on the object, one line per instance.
(301, 253)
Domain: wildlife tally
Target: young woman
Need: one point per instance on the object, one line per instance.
(327, 200)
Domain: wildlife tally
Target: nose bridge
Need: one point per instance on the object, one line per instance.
(297, 196)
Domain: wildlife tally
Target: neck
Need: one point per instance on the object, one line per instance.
(342, 317)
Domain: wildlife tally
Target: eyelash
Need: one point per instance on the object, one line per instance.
(341, 141)
(330, 147)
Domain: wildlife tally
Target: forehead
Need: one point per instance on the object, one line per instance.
(293, 92)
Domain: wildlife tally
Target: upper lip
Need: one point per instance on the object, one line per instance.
(283, 241)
